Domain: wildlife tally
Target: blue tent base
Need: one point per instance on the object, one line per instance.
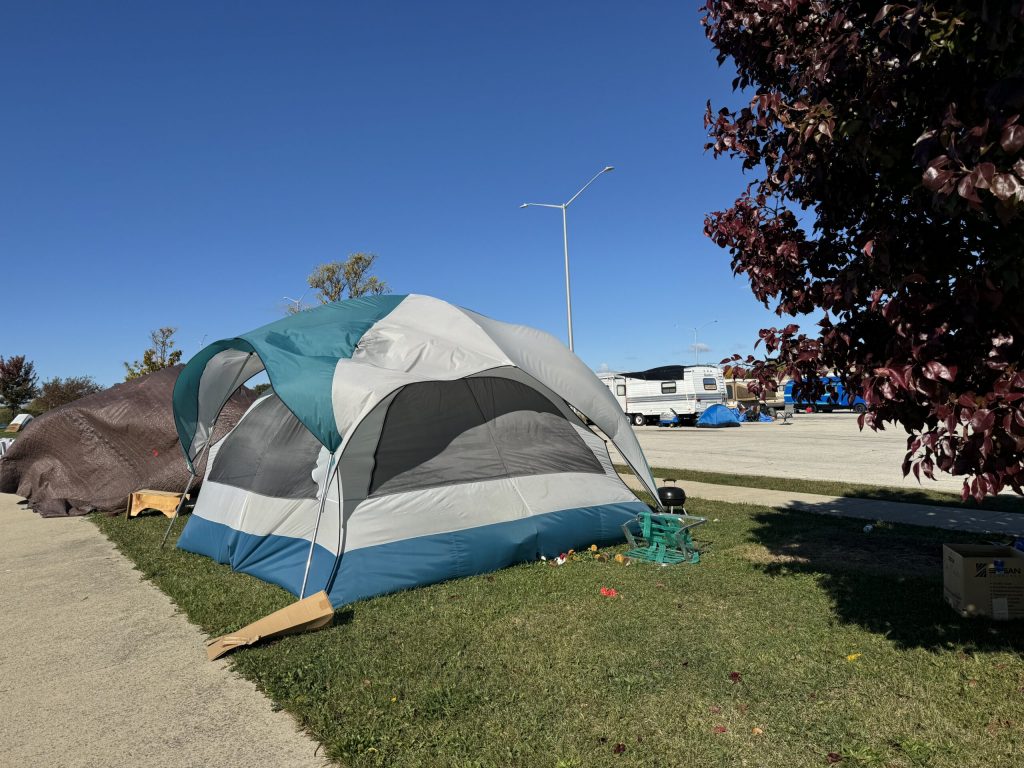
(399, 565)
(718, 416)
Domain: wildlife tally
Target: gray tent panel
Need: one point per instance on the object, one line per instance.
(270, 452)
(444, 432)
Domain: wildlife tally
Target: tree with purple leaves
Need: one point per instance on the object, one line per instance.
(887, 203)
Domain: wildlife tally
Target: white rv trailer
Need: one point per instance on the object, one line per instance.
(685, 389)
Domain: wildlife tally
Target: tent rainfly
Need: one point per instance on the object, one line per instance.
(407, 441)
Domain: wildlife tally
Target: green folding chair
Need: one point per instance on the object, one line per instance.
(662, 538)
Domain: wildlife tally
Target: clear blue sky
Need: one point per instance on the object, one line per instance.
(188, 164)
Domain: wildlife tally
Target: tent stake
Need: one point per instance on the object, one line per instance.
(316, 528)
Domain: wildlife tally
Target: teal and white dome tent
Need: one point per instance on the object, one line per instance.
(407, 441)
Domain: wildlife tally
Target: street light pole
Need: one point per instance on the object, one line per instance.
(696, 349)
(568, 293)
(565, 241)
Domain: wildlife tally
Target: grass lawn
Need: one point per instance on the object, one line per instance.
(832, 643)
(1005, 503)
(5, 433)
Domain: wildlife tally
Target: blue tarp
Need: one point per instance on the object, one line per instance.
(669, 419)
(718, 416)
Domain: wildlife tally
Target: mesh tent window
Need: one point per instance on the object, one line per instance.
(484, 428)
(270, 452)
(434, 433)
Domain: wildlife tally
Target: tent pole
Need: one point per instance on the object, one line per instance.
(192, 476)
(177, 509)
(316, 528)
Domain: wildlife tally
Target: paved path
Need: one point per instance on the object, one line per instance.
(98, 669)
(951, 518)
(813, 446)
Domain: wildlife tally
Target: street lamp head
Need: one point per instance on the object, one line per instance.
(608, 168)
(525, 205)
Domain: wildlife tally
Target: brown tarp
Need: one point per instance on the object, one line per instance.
(93, 453)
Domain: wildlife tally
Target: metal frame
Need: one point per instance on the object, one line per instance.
(332, 469)
(192, 463)
(177, 509)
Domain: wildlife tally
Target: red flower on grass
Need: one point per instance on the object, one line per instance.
(736, 677)
(609, 592)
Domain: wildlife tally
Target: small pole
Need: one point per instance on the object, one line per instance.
(195, 461)
(568, 294)
(177, 510)
(316, 528)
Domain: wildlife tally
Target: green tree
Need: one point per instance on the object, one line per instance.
(161, 355)
(347, 279)
(56, 392)
(17, 381)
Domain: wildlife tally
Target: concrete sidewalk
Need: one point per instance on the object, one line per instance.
(951, 518)
(98, 669)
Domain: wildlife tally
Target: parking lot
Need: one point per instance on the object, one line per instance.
(816, 446)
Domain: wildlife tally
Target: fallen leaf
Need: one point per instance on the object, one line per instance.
(756, 731)
(366, 682)
(735, 677)
(719, 729)
(834, 757)
(619, 748)
(593, 547)
(853, 656)
(394, 699)
(972, 683)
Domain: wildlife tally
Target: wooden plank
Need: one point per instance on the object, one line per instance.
(162, 501)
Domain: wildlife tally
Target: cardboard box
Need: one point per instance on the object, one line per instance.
(982, 580)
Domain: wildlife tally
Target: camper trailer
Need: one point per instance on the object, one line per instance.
(737, 393)
(685, 389)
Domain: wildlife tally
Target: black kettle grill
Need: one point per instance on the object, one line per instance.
(671, 495)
